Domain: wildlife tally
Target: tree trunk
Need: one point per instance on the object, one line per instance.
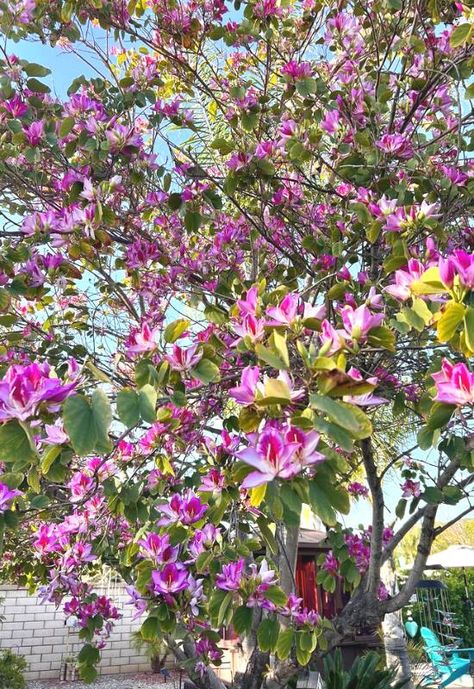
(396, 650)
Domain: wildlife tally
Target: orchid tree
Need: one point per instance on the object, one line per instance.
(237, 278)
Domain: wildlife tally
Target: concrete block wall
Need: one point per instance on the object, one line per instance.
(37, 631)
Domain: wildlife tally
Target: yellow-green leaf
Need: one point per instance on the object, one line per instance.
(453, 314)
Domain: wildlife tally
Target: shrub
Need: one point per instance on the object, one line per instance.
(11, 671)
(365, 673)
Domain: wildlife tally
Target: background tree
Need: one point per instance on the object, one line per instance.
(234, 260)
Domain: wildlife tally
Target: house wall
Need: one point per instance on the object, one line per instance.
(37, 631)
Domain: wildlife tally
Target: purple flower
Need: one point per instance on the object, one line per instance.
(186, 509)
(6, 496)
(231, 576)
(251, 327)
(55, 434)
(357, 489)
(24, 388)
(158, 548)
(173, 578)
(396, 145)
(332, 340)
(460, 264)
(34, 133)
(271, 456)
(137, 601)
(212, 482)
(330, 122)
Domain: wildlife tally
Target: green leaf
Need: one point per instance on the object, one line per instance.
(5, 299)
(432, 495)
(89, 654)
(224, 608)
(15, 443)
(128, 407)
(49, 456)
(37, 86)
(66, 126)
(285, 643)
(150, 629)
(460, 35)
(275, 392)
(147, 397)
(426, 437)
(267, 535)
(306, 87)
(87, 672)
(174, 330)
(34, 70)
(192, 221)
(87, 422)
(453, 314)
(276, 595)
(267, 634)
(206, 371)
(349, 417)
(469, 327)
(440, 414)
(400, 508)
(242, 620)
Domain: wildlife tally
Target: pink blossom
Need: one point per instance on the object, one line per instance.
(230, 576)
(158, 548)
(34, 133)
(411, 489)
(395, 144)
(55, 434)
(357, 489)
(173, 578)
(332, 340)
(251, 327)
(7, 495)
(358, 322)
(305, 446)
(404, 278)
(143, 340)
(330, 122)
(454, 384)
(297, 70)
(186, 509)
(460, 264)
(245, 392)
(183, 359)
(24, 388)
(212, 482)
(248, 305)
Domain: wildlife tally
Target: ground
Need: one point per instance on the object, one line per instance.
(146, 681)
(140, 681)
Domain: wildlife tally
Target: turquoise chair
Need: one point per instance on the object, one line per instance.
(446, 660)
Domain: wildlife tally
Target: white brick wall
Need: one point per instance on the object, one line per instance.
(37, 631)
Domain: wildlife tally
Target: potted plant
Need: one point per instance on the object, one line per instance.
(154, 649)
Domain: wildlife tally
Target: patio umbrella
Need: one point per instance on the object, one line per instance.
(455, 557)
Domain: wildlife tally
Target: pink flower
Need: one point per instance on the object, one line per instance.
(231, 576)
(186, 509)
(251, 327)
(212, 482)
(454, 384)
(395, 144)
(332, 340)
(46, 540)
(358, 322)
(245, 392)
(404, 279)
(330, 122)
(305, 446)
(286, 313)
(6, 496)
(357, 489)
(143, 340)
(173, 578)
(158, 548)
(382, 593)
(80, 485)
(34, 133)
(183, 359)
(297, 70)
(367, 399)
(24, 388)
(271, 455)
(249, 304)
(55, 434)
(460, 264)
(411, 489)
